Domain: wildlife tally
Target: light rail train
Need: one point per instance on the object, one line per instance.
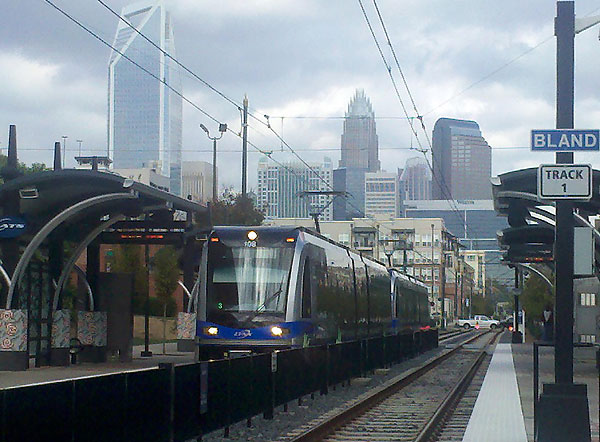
(267, 288)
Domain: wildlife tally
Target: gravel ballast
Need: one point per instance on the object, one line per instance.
(286, 424)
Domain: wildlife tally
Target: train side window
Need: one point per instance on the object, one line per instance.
(306, 290)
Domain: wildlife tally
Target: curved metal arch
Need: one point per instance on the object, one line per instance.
(538, 273)
(87, 285)
(80, 248)
(50, 226)
(194, 296)
(185, 290)
(4, 274)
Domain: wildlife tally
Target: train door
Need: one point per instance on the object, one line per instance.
(312, 268)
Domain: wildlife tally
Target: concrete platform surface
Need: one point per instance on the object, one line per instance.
(497, 415)
(584, 372)
(48, 374)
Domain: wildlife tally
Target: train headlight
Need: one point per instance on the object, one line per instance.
(278, 331)
(252, 235)
(213, 331)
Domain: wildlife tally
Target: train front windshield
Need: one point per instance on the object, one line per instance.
(247, 286)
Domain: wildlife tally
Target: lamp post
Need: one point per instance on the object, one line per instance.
(79, 142)
(222, 130)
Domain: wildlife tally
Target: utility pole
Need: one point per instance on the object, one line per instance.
(443, 280)
(435, 301)
(244, 146)
(64, 152)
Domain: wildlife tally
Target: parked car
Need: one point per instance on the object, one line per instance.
(479, 321)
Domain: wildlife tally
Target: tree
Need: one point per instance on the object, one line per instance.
(166, 275)
(536, 295)
(128, 258)
(35, 167)
(235, 210)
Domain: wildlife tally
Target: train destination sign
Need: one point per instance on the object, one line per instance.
(565, 140)
(565, 181)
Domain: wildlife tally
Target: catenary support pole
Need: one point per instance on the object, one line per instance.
(245, 146)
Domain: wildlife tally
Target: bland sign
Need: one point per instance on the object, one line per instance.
(565, 140)
(565, 181)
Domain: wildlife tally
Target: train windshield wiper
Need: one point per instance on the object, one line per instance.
(267, 300)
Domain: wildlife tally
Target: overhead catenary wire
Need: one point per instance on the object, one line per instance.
(443, 186)
(266, 153)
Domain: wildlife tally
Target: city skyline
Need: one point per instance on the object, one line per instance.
(467, 61)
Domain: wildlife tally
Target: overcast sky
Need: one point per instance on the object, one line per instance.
(305, 58)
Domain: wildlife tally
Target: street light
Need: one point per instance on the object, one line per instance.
(222, 130)
(79, 141)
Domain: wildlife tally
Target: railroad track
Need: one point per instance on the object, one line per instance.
(451, 334)
(415, 407)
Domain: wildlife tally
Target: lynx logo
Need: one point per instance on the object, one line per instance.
(11, 227)
(242, 334)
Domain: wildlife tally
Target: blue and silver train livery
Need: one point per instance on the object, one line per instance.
(267, 288)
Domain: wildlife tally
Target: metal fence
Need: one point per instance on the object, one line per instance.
(180, 402)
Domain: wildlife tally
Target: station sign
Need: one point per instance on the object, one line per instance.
(564, 181)
(550, 140)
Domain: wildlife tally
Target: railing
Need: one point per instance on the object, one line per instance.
(180, 402)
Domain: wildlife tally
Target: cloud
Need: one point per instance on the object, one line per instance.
(304, 58)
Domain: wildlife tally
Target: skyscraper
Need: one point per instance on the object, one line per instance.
(279, 189)
(360, 148)
(144, 115)
(462, 161)
(416, 179)
(360, 154)
(197, 181)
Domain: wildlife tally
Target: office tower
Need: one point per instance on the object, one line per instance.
(350, 180)
(197, 181)
(381, 194)
(280, 188)
(462, 161)
(416, 179)
(144, 115)
(360, 147)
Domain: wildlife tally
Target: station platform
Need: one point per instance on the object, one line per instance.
(504, 408)
(50, 374)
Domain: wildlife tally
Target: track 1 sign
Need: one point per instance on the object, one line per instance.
(565, 181)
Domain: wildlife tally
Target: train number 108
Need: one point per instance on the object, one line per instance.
(250, 244)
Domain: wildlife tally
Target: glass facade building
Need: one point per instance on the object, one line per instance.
(462, 161)
(144, 115)
(474, 223)
(280, 188)
(416, 179)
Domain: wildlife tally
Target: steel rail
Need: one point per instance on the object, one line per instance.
(330, 425)
(435, 424)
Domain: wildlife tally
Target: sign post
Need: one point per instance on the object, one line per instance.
(563, 406)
